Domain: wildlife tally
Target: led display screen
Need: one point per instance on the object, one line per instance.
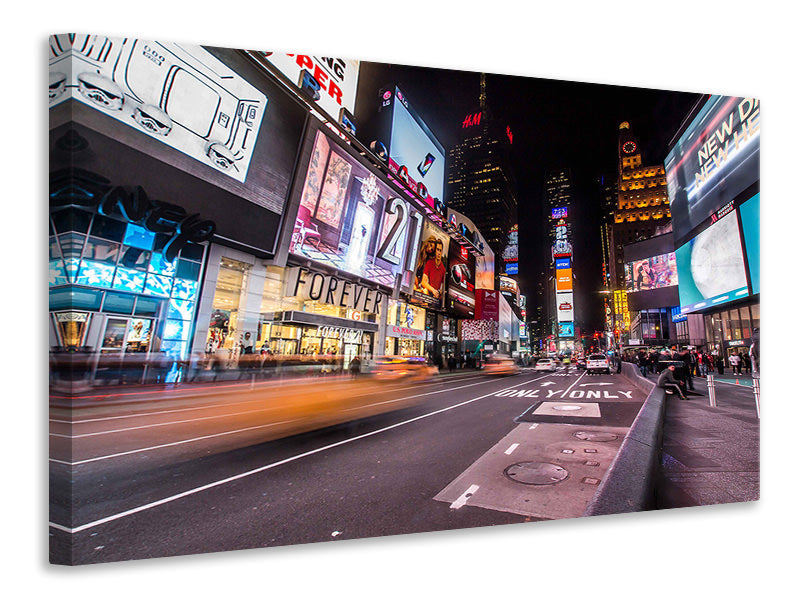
(564, 280)
(348, 218)
(711, 267)
(565, 308)
(651, 273)
(750, 215)
(178, 94)
(715, 159)
(563, 263)
(430, 274)
(461, 281)
(566, 329)
(413, 146)
(559, 213)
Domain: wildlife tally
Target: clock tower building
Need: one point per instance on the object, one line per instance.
(642, 207)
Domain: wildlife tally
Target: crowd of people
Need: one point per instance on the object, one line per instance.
(697, 362)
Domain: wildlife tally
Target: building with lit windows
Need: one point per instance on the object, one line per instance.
(480, 181)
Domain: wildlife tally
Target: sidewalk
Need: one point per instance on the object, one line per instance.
(710, 455)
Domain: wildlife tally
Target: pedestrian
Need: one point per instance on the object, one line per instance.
(720, 364)
(667, 381)
(355, 367)
(451, 363)
(747, 363)
(642, 362)
(736, 361)
(686, 357)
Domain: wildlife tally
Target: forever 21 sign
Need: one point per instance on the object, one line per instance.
(328, 289)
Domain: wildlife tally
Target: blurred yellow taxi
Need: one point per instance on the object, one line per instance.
(500, 366)
(411, 368)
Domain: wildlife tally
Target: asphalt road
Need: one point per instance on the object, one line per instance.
(228, 470)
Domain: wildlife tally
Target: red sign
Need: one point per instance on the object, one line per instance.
(471, 120)
(487, 305)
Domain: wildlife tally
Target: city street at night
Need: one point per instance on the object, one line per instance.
(201, 472)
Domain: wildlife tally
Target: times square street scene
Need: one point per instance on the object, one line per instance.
(296, 299)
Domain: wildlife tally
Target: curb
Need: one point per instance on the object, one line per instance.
(629, 484)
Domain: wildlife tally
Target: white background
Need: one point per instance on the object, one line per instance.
(733, 551)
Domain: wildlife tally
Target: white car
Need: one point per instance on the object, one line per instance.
(598, 363)
(545, 364)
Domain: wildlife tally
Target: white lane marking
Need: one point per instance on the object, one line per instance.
(573, 385)
(534, 426)
(511, 448)
(231, 404)
(178, 443)
(548, 383)
(593, 384)
(462, 499)
(226, 432)
(220, 482)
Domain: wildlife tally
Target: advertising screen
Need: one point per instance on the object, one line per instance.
(509, 286)
(565, 307)
(487, 305)
(484, 265)
(178, 94)
(346, 215)
(563, 263)
(711, 267)
(559, 213)
(461, 282)
(651, 273)
(750, 214)
(566, 329)
(413, 146)
(431, 267)
(564, 280)
(716, 159)
(337, 78)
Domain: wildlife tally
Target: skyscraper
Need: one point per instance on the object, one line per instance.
(480, 181)
(642, 201)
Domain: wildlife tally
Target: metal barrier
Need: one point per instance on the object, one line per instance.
(712, 394)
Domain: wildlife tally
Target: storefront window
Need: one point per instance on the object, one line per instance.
(755, 316)
(726, 325)
(744, 313)
(228, 303)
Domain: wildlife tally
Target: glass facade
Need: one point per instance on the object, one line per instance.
(109, 266)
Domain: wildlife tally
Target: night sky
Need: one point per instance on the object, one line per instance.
(555, 124)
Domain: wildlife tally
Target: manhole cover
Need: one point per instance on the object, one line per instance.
(536, 473)
(595, 436)
(568, 407)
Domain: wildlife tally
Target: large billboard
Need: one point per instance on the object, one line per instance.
(430, 273)
(715, 160)
(331, 82)
(711, 267)
(348, 218)
(461, 282)
(565, 307)
(178, 94)
(651, 273)
(414, 152)
(750, 215)
(563, 280)
(484, 264)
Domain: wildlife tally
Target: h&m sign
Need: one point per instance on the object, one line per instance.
(327, 289)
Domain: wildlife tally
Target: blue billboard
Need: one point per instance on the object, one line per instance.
(566, 329)
(563, 263)
(749, 213)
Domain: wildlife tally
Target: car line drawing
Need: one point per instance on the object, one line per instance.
(179, 94)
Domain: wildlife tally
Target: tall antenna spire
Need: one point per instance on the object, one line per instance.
(483, 91)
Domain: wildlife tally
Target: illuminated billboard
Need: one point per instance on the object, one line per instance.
(559, 213)
(347, 216)
(484, 265)
(331, 81)
(508, 286)
(414, 153)
(461, 282)
(563, 263)
(564, 280)
(566, 330)
(565, 308)
(651, 273)
(178, 94)
(430, 273)
(750, 215)
(715, 160)
(711, 267)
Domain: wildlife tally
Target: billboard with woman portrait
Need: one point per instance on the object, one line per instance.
(430, 272)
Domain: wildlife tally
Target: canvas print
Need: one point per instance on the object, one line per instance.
(299, 299)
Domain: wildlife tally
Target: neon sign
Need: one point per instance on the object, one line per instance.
(471, 120)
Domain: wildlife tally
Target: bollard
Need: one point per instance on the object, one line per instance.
(757, 392)
(712, 398)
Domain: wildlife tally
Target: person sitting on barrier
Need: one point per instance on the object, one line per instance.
(667, 381)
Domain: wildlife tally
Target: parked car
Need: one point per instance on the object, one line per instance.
(598, 363)
(545, 364)
(500, 366)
